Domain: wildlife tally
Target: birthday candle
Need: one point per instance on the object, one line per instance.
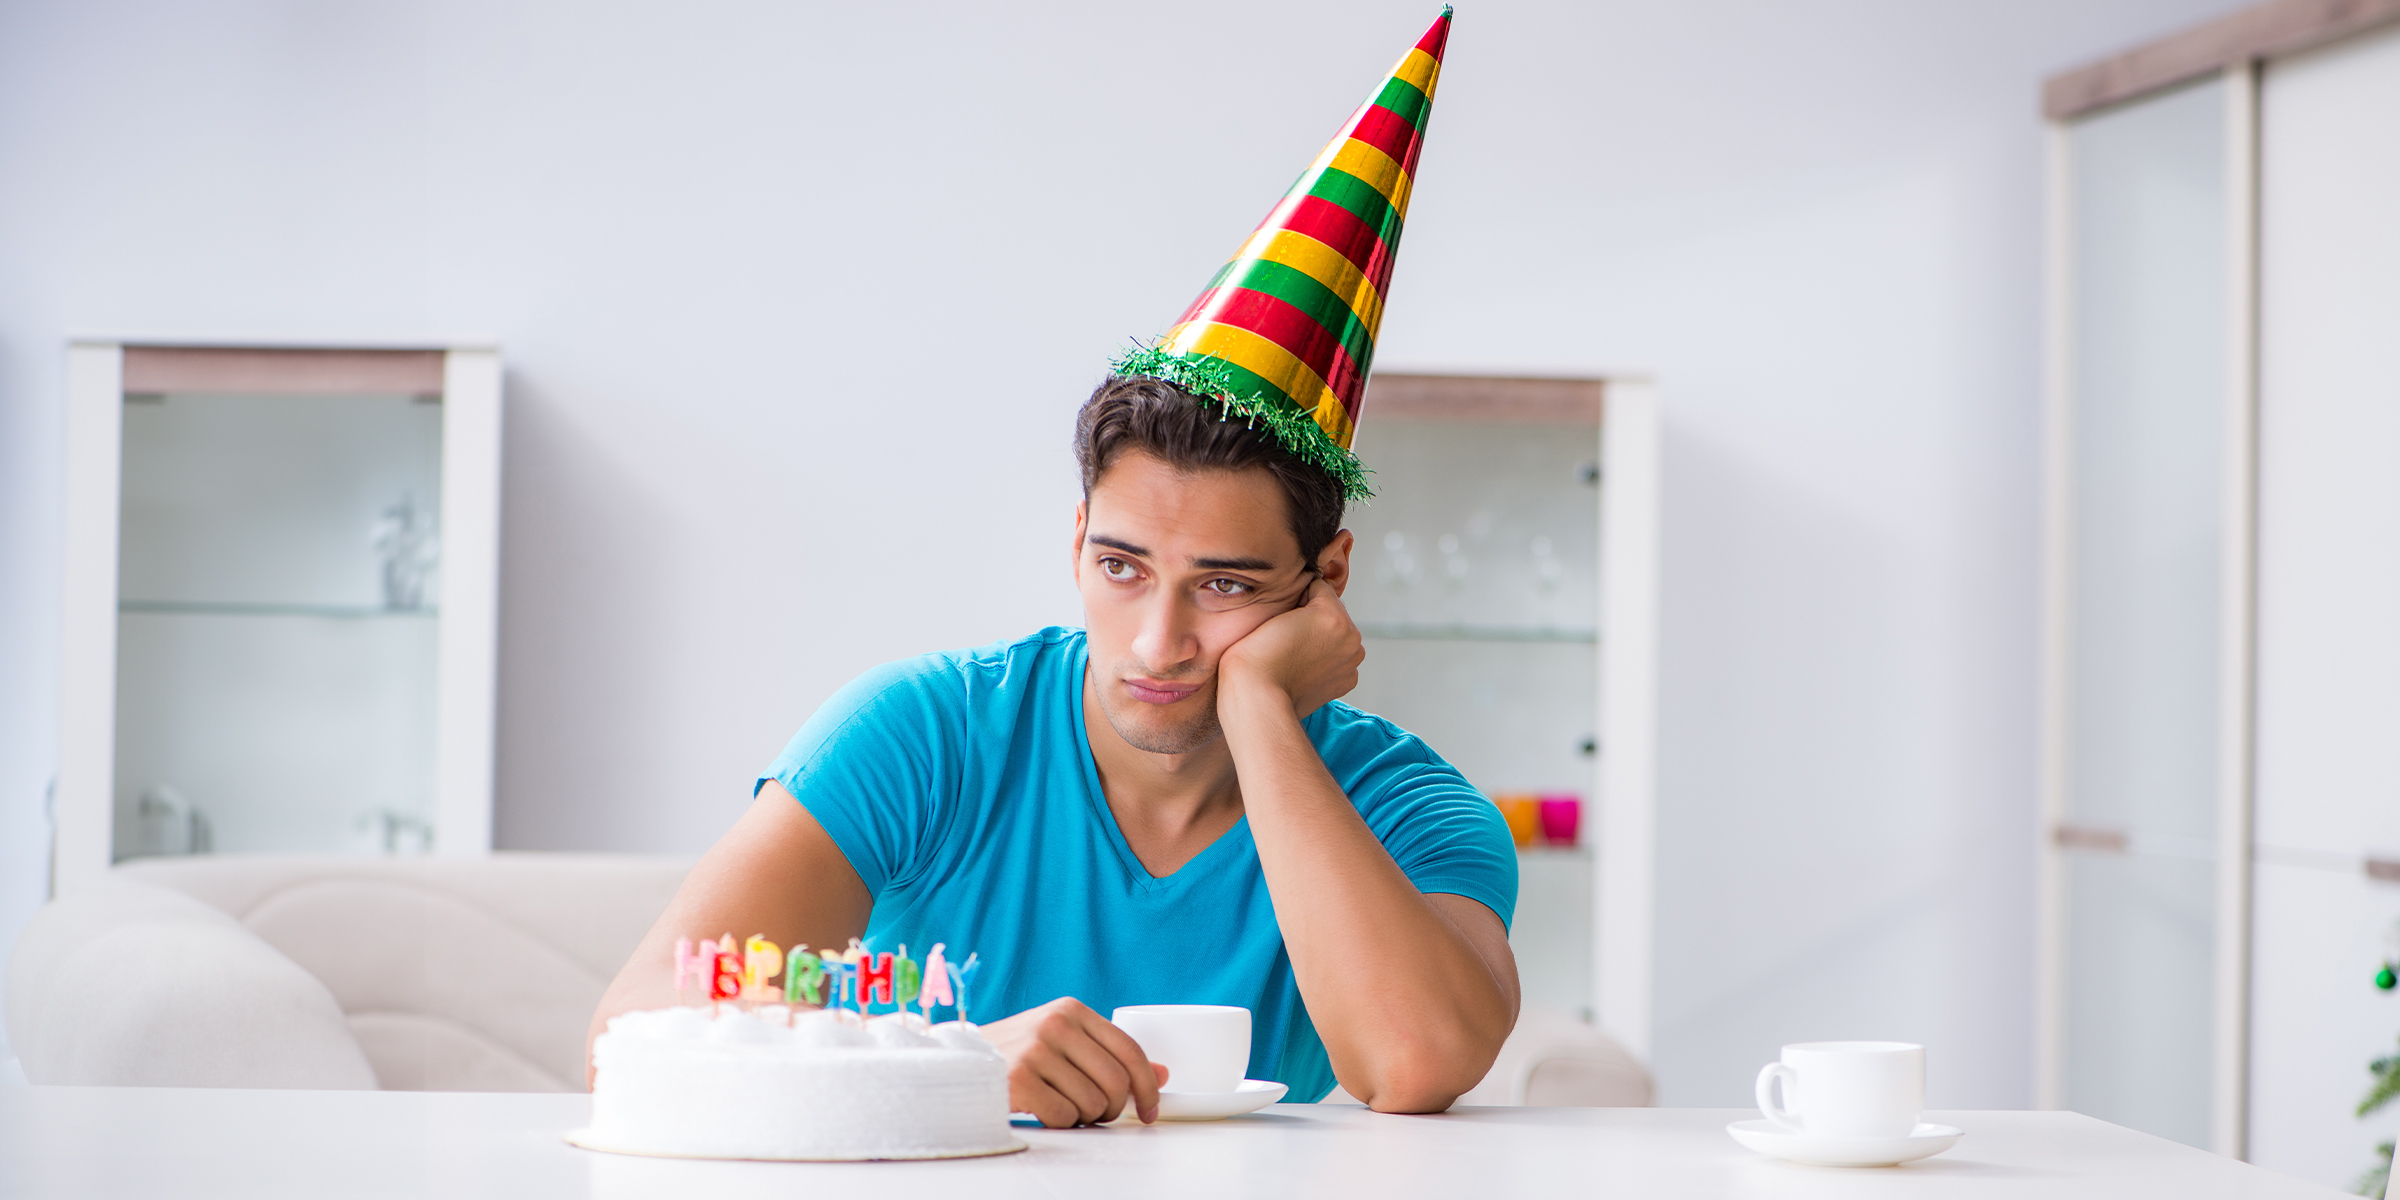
(801, 977)
(937, 982)
(874, 979)
(727, 982)
(906, 979)
(761, 961)
(694, 966)
(959, 974)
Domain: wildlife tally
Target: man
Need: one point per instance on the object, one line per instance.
(1170, 805)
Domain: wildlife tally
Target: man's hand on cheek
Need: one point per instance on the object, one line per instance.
(1069, 1066)
(1310, 655)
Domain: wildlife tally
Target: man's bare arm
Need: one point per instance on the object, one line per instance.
(775, 873)
(1412, 993)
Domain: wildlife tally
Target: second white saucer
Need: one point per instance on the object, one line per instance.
(1252, 1095)
(1767, 1137)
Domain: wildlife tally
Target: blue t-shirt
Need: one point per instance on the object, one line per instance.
(961, 788)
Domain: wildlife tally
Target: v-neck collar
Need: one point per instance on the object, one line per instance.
(1097, 797)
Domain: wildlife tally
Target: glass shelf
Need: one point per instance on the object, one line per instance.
(1578, 850)
(1421, 632)
(239, 609)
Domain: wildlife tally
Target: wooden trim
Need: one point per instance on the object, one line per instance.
(2266, 31)
(283, 372)
(1518, 401)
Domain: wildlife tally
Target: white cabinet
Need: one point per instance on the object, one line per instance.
(281, 601)
(1505, 576)
(2222, 817)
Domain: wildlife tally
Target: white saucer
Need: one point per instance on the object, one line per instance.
(1767, 1137)
(1254, 1094)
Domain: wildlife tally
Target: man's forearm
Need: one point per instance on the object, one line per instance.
(1410, 1013)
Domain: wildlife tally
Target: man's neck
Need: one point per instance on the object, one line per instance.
(1170, 807)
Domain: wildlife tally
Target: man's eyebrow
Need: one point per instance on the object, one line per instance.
(1198, 564)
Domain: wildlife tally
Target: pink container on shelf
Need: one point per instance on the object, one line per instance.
(1561, 818)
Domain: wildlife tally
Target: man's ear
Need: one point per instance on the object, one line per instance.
(1075, 552)
(1333, 562)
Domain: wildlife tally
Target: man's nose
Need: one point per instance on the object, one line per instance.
(1165, 640)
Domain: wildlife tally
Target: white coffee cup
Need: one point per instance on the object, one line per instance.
(1846, 1089)
(1205, 1047)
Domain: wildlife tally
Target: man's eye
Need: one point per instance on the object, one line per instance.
(1116, 568)
(1227, 587)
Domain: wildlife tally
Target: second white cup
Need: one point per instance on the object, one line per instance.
(1846, 1089)
(1205, 1047)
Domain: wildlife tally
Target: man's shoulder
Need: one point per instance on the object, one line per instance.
(1357, 745)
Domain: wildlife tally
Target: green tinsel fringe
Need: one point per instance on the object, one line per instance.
(1295, 431)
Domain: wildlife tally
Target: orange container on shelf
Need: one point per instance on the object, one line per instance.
(1523, 814)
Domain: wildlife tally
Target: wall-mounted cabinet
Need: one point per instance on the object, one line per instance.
(281, 601)
(1504, 578)
(2221, 830)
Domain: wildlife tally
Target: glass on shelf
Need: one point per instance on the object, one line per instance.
(279, 556)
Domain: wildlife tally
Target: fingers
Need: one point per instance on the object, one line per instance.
(1068, 1066)
(1065, 1093)
(1142, 1076)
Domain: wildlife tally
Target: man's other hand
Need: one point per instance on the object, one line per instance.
(1310, 654)
(1069, 1066)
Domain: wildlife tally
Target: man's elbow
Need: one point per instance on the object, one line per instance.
(1428, 1082)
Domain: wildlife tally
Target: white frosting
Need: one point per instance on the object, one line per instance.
(678, 1081)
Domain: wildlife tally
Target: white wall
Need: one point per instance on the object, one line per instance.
(797, 301)
(2328, 582)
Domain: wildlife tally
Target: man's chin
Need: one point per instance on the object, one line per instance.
(1155, 736)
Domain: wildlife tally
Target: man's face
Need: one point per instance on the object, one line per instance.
(1174, 568)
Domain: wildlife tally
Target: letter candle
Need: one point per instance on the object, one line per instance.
(874, 978)
(907, 978)
(727, 982)
(959, 974)
(762, 960)
(937, 982)
(696, 967)
(803, 974)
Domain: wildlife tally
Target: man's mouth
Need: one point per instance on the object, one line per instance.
(1159, 691)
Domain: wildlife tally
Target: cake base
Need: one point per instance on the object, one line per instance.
(582, 1139)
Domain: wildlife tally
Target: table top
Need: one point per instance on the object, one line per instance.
(100, 1143)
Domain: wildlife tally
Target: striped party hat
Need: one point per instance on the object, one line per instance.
(1285, 333)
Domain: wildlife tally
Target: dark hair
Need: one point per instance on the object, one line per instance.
(1138, 414)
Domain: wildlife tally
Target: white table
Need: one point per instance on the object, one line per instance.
(99, 1143)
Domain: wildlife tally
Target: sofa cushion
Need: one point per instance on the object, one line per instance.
(126, 984)
(456, 974)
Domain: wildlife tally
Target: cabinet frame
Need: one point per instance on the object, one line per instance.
(1621, 826)
(467, 640)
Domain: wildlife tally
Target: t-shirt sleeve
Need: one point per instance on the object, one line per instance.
(1442, 832)
(876, 766)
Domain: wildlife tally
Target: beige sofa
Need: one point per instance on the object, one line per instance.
(426, 974)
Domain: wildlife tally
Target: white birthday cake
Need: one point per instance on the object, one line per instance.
(779, 1083)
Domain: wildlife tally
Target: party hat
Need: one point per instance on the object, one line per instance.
(1285, 333)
